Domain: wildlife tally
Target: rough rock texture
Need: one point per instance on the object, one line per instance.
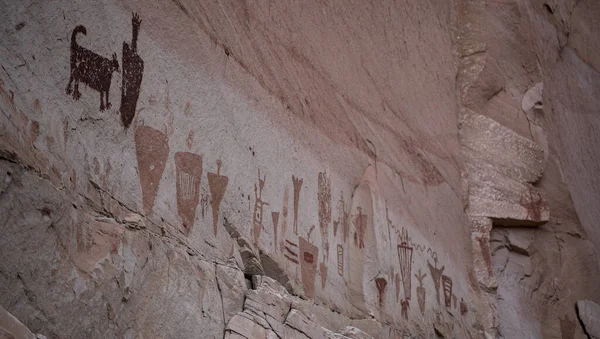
(275, 169)
(589, 315)
(12, 328)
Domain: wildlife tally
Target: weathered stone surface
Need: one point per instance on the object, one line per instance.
(12, 328)
(232, 287)
(246, 327)
(284, 168)
(589, 314)
(354, 333)
(491, 145)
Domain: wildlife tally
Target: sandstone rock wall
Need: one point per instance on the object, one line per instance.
(275, 169)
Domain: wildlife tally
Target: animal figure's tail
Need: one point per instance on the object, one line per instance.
(77, 30)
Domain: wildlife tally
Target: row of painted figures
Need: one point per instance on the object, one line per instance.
(152, 151)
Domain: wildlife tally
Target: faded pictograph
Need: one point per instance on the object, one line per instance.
(436, 275)
(275, 219)
(405, 252)
(204, 203)
(291, 251)
(217, 185)
(421, 291)
(90, 68)
(297, 187)
(324, 200)
(484, 245)
(447, 284)
(381, 284)
(342, 219)
(398, 284)
(405, 305)
(133, 70)
(152, 150)
(258, 207)
(463, 307)
(323, 270)
(340, 260)
(360, 223)
(532, 201)
(284, 215)
(567, 328)
(188, 168)
(308, 264)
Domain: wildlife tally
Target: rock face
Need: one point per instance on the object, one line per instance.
(299, 170)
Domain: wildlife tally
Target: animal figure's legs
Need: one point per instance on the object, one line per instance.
(102, 101)
(108, 104)
(76, 93)
(69, 88)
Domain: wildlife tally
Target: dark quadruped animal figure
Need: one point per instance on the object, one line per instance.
(90, 68)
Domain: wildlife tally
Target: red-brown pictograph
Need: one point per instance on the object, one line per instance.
(203, 203)
(297, 187)
(188, 174)
(447, 284)
(484, 245)
(360, 223)
(152, 150)
(421, 291)
(436, 275)
(567, 328)
(324, 199)
(284, 215)
(533, 202)
(290, 251)
(405, 258)
(398, 284)
(275, 219)
(463, 307)
(405, 305)
(340, 260)
(258, 208)
(323, 270)
(342, 219)
(308, 266)
(217, 184)
(381, 284)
